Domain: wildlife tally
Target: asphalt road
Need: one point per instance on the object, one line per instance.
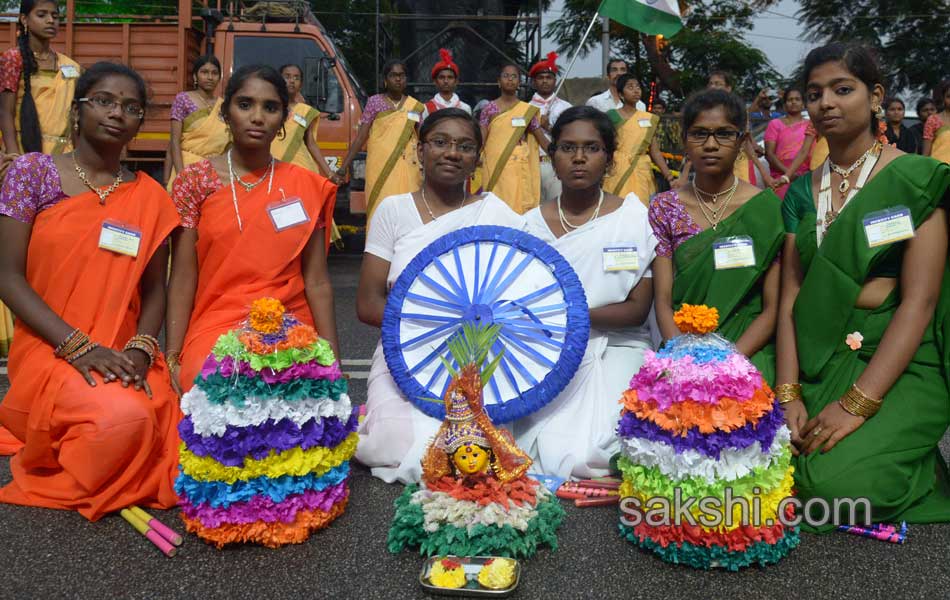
(54, 554)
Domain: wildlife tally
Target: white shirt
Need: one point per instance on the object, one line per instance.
(604, 101)
(453, 102)
(553, 107)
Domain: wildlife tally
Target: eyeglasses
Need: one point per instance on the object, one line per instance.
(510, 76)
(442, 145)
(396, 75)
(131, 108)
(586, 149)
(725, 137)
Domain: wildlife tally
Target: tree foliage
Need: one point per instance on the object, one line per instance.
(910, 37)
(712, 38)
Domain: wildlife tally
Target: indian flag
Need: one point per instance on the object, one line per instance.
(652, 17)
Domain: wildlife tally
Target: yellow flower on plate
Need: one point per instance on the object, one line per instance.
(447, 573)
(267, 315)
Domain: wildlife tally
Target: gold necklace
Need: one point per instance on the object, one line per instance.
(845, 185)
(103, 192)
(715, 215)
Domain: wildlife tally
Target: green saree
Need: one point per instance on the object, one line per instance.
(736, 293)
(892, 459)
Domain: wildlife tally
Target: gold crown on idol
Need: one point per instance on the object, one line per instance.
(460, 426)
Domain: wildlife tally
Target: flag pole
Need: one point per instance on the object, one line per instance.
(578, 51)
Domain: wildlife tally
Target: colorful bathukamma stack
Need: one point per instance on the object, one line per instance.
(475, 498)
(699, 419)
(267, 436)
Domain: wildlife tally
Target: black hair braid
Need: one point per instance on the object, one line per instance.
(31, 137)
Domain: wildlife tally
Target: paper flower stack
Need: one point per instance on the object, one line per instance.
(699, 419)
(267, 435)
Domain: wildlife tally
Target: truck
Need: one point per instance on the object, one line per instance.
(162, 49)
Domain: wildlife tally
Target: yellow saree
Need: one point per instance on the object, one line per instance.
(292, 146)
(53, 96)
(941, 144)
(632, 171)
(512, 165)
(392, 166)
(203, 134)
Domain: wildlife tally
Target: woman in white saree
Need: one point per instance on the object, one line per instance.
(394, 434)
(610, 244)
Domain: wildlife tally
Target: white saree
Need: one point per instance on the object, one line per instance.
(394, 434)
(575, 433)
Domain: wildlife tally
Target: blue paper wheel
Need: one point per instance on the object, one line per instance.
(487, 275)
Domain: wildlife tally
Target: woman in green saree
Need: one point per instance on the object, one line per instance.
(719, 238)
(863, 323)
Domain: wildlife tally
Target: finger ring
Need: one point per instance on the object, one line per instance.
(817, 431)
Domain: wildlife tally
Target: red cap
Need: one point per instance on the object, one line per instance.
(547, 64)
(445, 63)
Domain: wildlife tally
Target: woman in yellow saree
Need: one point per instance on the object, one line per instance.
(511, 166)
(197, 130)
(937, 128)
(36, 85)
(637, 146)
(388, 130)
(298, 144)
(36, 93)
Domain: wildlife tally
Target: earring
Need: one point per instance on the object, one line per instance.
(878, 111)
(76, 127)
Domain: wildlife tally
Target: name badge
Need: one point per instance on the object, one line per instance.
(621, 258)
(119, 238)
(734, 252)
(518, 122)
(414, 116)
(287, 213)
(300, 120)
(644, 122)
(888, 226)
(69, 71)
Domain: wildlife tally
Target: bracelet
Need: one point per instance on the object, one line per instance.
(788, 392)
(82, 351)
(74, 341)
(144, 343)
(859, 404)
(173, 359)
(785, 178)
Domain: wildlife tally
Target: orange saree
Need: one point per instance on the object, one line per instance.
(235, 268)
(91, 449)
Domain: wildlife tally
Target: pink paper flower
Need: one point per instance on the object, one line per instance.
(854, 340)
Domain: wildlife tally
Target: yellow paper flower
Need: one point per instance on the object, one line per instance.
(447, 573)
(267, 315)
(696, 318)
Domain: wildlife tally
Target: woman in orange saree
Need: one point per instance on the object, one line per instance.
(251, 227)
(92, 422)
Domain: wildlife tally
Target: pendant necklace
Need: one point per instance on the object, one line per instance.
(269, 175)
(102, 192)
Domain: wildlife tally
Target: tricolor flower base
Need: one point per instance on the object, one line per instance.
(487, 519)
(699, 419)
(267, 436)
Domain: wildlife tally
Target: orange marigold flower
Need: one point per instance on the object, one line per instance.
(696, 318)
(301, 336)
(267, 315)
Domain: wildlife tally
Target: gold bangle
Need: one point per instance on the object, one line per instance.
(859, 404)
(788, 392)
(172, 359)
